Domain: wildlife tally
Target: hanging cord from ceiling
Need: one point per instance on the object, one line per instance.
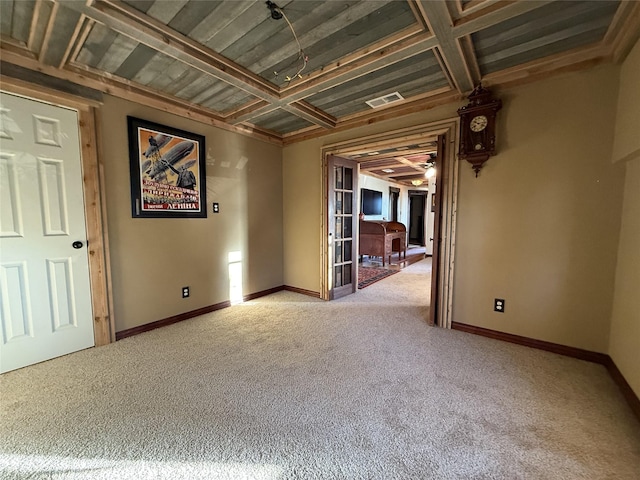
(277, 13)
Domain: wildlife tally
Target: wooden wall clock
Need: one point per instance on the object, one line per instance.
(478, 127)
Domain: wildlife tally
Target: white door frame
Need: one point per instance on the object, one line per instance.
(94, 199)
(450, 129)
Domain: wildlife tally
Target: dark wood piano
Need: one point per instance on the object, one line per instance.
(382, 239)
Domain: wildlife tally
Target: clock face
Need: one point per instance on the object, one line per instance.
(478, 123)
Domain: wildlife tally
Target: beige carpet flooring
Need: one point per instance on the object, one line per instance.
(290, 387)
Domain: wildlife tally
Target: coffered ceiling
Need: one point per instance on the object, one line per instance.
(309, 73)
(402, 162)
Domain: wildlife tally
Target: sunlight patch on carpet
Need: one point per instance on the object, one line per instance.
(24, 466)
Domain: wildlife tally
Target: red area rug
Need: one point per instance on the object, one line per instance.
(369, 275)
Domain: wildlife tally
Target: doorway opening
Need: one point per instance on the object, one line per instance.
(417, 217)
(394, 202)
(430, 140)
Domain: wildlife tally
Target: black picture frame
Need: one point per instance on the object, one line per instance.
(167, 169)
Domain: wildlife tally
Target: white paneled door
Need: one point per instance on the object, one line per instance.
(45, 302)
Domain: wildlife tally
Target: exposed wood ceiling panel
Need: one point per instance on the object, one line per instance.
(216, 60)
(399, 163)
(553, 28)
(15, 19)
(106, 50)
(280, 121)
(117, 54)
(243, 31)
(323, 44)
(96, 45)
(135, 62)
(60, 31)
(418, 74)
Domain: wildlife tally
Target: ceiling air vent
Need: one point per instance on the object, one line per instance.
(384, 100)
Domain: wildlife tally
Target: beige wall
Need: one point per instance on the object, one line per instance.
(624, 343)
(539, 226)
(302, 183)
(374, 183)
(151, 259)
(627, 131)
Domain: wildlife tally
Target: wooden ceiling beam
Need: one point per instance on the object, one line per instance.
(367, 117)
(396, 155)
(37, 9)
(106, 82)
(444, 28)
(133, 24)
(495, 13)
(301, 109)
(381, 165)
(252, 109)
(624, 30)
(47, 33)
(370, 59)
(408, 175)
(396, 48)
(439, 20)
(474, 6)
(313, 114)
(88, 25)
(389, 162)
(133, 92)
(76, 40)
(470, 55)
(408, 163)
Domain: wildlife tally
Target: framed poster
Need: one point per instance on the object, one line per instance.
(167, 171)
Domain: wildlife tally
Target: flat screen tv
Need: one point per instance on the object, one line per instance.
(371, 202)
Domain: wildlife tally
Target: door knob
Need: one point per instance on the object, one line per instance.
(77, 244)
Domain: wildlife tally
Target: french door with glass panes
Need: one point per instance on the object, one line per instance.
(342, 213)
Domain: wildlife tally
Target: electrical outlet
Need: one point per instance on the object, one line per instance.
(185, 292)
(216, 207)
(498, 305)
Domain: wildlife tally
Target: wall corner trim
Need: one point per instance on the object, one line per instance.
(602, 358)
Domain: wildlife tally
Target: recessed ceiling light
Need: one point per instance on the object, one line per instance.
(373, 153)
(387, 170)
